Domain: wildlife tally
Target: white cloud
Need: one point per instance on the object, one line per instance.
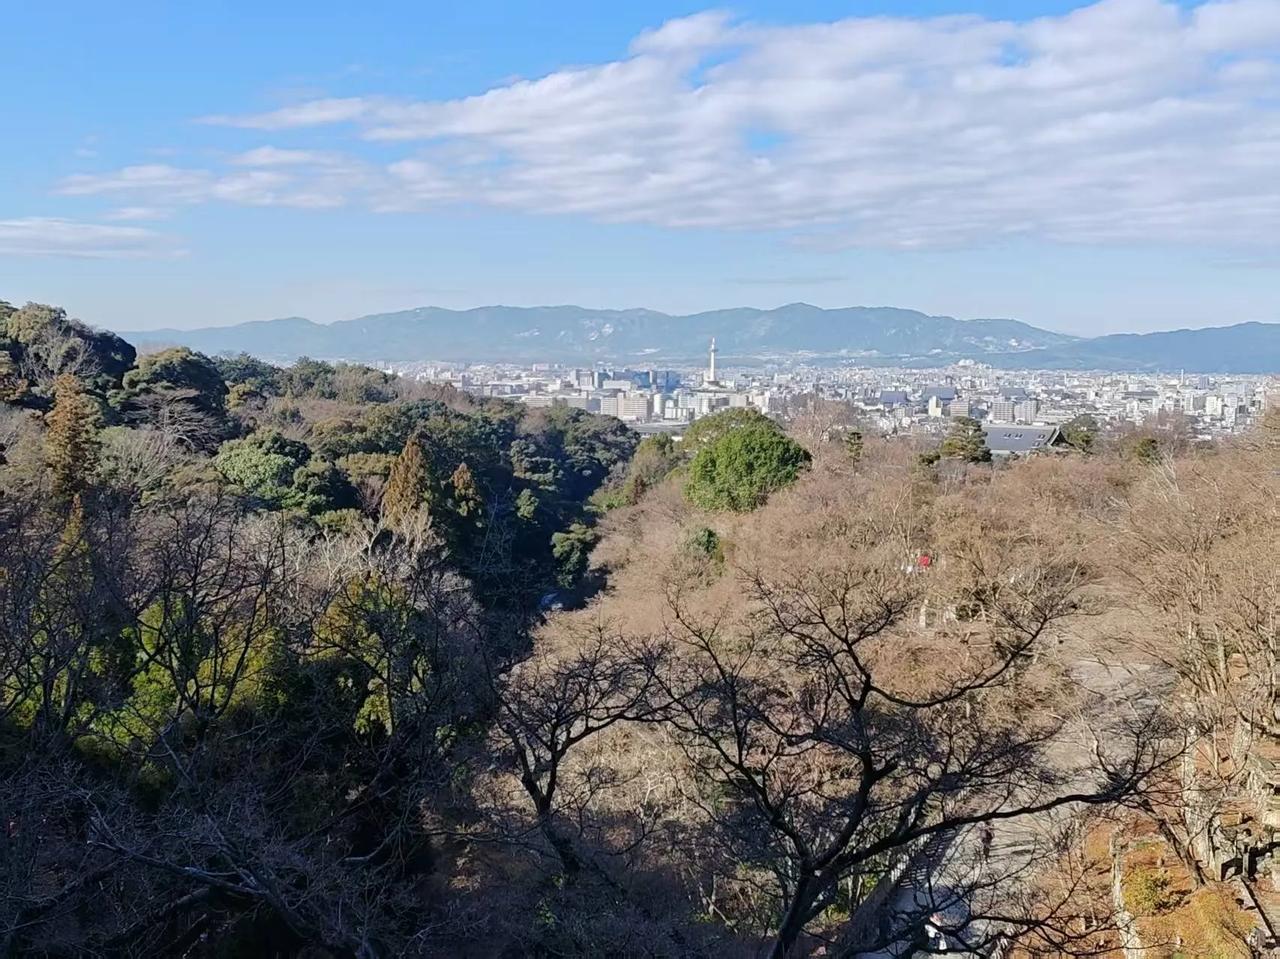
(311, 113)
(268, 156)
(131, 213)
(143, 177)
(1126, 120)
(54, 236)
(261, 184)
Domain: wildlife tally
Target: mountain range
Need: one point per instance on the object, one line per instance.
(884, 336)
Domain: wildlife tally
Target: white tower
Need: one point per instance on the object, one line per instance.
(711, 370)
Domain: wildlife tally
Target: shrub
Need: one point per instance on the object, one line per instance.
(1147, 892)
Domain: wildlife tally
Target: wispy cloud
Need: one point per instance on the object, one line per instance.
(55, 236)
(1126, 120)
(131, 213)
(270, 156)
(308, 114)
(260, 184)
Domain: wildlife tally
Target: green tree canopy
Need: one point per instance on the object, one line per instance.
(43, 343)
(1081, 432)
(705, 431)
(572, 550)
(263, 465)
(1146, 450)
(654, 460)
(743, 466)
(966, 442)
(318, 487)
(245, 370)
(177, 373)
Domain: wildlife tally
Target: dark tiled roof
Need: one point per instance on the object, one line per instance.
(1004, 439)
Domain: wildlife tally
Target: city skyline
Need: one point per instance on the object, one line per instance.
(1087, 168)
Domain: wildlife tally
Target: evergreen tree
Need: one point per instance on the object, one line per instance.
(466, 495)
(740, 468)
(526, 506)
(966, 442)
(411, 485)
(71, 445)
(853, 444)
(1081, 432)
(1147, 451)
(572, 551)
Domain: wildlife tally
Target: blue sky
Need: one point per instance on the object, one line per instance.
(1090, 168)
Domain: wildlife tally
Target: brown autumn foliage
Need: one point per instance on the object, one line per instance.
(326, 747)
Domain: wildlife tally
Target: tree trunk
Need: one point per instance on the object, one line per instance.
(784, 945)
(1182, 849)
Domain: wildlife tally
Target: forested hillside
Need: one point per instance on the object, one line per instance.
(280, 676)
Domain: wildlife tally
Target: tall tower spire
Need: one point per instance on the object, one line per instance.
(711, 370)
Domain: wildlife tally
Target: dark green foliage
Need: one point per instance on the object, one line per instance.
(707, 430)
(245, 370)
(1081, 432)
(738, 470)
(966, 442)
(704, 543)
(853, 444)
(174, 374)
(572, 549)
(582, 446)
(38, 343)
(320, 487)
(1146, 450)
(362, 384)
(308, 377)
(347, 382)
(280, 473)
(654, 460)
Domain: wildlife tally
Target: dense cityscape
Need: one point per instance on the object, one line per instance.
(889, 400)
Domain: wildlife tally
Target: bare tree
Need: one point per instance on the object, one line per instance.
(826, 738)
(550, 704)
(1193, 541)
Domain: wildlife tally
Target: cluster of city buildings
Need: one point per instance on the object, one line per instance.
(652, 400)
(1032, 403)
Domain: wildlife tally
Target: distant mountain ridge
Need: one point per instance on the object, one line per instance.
(868, 335)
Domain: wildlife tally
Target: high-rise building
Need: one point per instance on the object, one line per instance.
(633, 406)
(1027, 411)
(1004, 411)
